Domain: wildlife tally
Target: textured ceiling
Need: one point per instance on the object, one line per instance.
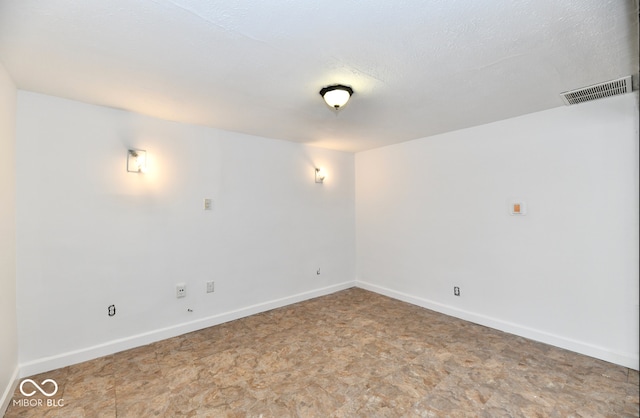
(418, 67)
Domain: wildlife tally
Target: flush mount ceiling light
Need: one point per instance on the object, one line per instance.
(336, 96)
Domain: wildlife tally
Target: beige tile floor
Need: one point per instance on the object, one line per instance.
(350, 354)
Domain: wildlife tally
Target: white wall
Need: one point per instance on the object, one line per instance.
(432, 214)
(8, 327)
(89, 234)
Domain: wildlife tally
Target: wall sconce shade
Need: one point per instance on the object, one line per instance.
(136, 161)
(336, 96)
(320, 175)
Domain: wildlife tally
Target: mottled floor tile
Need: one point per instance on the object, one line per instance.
(350, 354)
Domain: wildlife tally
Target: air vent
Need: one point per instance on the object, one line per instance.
(597, 91)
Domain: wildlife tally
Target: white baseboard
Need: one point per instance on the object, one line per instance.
(8, 391)
(630, 360)
(42, 365)
(78, 356)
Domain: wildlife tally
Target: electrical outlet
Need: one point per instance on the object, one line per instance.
(181, 290)
(210, 287)
(456, 291)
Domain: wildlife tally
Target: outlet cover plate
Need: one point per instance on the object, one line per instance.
(181, 290)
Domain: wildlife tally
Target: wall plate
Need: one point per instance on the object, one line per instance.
(517, 207)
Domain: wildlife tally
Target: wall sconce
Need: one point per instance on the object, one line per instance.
(320, 175)
(336, 96)
(136, 161)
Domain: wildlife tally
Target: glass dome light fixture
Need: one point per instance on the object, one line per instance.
(336, 96)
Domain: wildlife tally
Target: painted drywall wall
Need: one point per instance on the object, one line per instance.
(8, 325)
(433, 213)
(90, 234)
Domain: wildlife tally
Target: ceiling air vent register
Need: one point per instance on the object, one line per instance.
(597, 91)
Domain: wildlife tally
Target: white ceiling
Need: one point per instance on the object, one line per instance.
(418, 67)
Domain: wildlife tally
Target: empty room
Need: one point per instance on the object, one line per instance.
(423, 208)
